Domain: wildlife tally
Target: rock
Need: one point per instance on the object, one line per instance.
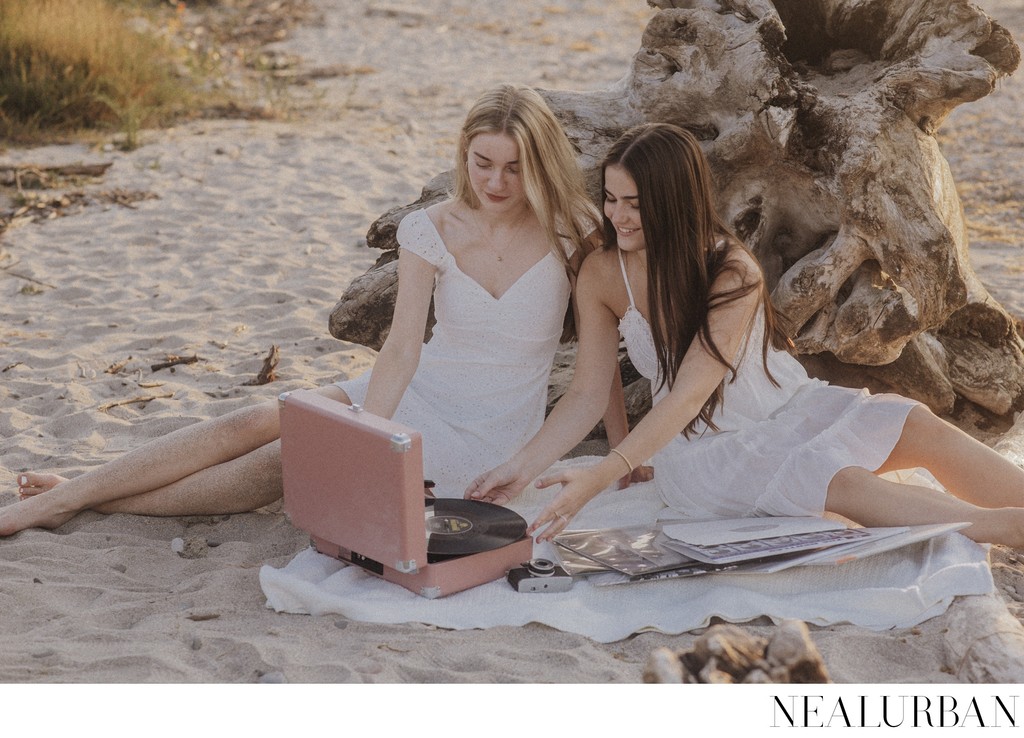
(190, 548)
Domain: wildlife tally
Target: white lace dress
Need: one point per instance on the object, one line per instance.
(480, 390)
(776, 448)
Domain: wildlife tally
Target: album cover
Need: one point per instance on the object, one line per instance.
(879, 541)
(733, 530)
(761, 548)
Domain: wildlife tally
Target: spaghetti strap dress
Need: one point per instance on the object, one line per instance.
(480, 390)
(777, 447)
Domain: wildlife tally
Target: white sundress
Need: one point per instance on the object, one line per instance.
(480, 390)
(776, 448)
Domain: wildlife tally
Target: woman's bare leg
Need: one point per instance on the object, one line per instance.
(168, 474)
(865, 498)
(963, 465)
(238, 485)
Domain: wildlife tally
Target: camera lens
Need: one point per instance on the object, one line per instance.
(541, 567)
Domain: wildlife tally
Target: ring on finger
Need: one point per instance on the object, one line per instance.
(563, 517)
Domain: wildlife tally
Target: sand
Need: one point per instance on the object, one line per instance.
(252, 230)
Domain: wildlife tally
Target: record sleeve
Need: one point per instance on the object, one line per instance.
(636, 552)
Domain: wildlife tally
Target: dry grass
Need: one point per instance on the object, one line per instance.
(68, 65)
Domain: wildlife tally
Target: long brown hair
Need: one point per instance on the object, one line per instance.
(681, 229)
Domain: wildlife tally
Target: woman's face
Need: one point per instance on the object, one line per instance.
(495, 173)
(622, 208)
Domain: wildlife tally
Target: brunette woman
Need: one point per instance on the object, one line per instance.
(737, 427)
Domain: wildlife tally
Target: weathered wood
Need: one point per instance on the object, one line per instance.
(727, 654)
(31, 175)
(989, 655)
(1011, 443)
(818, 119)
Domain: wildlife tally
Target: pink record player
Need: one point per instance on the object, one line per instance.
(354, 481)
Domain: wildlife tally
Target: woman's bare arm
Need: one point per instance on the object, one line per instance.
(698, 376)
(400, 355)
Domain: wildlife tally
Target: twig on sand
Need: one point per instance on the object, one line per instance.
(27, 278)
(117, 366)
(174, 361)
(303, 76)
(201, 616)
(266, 375)
(23, 175)
(135, 400)
(126, 198)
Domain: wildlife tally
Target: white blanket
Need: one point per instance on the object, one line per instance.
(891, 590)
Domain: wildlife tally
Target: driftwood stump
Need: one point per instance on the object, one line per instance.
(727, 654)
(818, 118)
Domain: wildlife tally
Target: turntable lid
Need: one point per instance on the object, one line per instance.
(349, 480)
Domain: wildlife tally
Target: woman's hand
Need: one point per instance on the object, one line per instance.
(638, 476)
(579, 486)
(500, 485)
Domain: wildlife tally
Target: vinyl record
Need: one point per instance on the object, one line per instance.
(458, 527)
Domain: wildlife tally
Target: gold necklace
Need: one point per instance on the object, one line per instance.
(508, 244)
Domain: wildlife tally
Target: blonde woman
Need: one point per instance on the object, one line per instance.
(497, 258)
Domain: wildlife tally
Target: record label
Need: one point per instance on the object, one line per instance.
(447, 525)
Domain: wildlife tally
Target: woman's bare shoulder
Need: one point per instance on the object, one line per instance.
(601, 279)
(599, 264)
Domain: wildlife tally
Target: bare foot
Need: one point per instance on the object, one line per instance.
(37, 511)
(30, 484)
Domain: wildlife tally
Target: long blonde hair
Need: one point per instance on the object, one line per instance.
(552, 180)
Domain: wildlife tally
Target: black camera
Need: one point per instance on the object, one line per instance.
(539, 575)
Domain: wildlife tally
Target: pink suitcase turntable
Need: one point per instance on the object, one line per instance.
(354, 481)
